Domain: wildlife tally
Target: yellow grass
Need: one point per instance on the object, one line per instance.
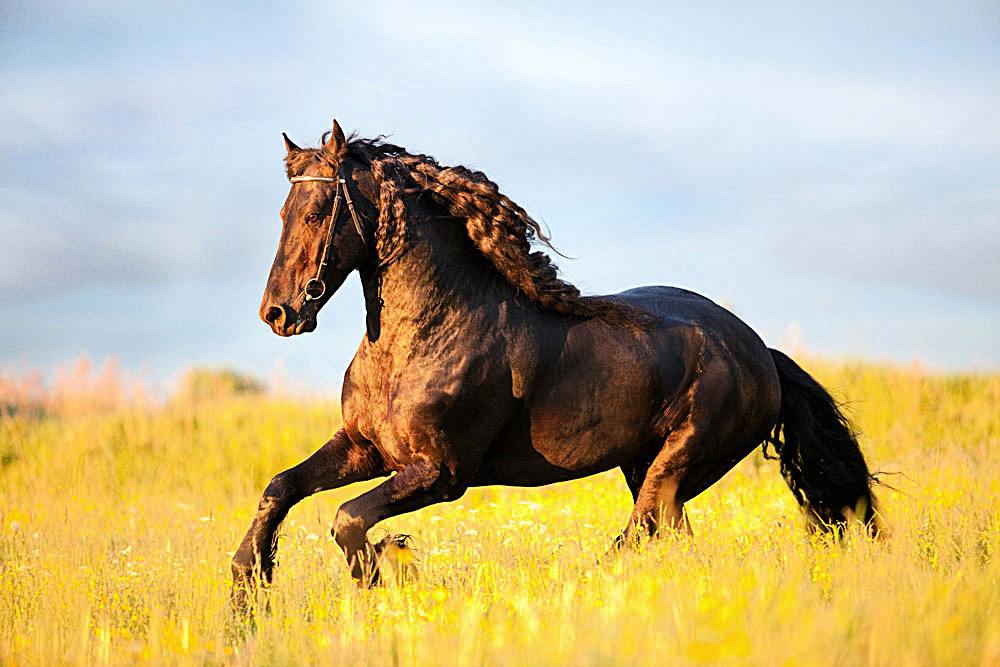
(118, 525)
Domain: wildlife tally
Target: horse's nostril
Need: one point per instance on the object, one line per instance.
(274, 315)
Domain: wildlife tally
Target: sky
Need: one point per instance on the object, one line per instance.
(830, 173)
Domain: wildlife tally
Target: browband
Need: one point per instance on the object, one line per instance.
(305, 179)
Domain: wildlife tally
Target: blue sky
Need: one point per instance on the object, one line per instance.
(830, 171)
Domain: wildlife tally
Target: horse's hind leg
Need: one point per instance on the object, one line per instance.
(657, 502)
(635, 473)
(691, 460)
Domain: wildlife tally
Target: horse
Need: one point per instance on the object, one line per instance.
(481, 366)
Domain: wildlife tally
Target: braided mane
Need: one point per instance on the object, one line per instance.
(499, 228)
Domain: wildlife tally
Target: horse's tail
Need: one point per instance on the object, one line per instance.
(820, 457)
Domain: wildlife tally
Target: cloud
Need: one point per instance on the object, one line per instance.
(930, 240)
(114, 178)
(848, 146)
(663, 95)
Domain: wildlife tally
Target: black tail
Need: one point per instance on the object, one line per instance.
(819, 453)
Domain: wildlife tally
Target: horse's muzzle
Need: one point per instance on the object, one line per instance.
(284, 321)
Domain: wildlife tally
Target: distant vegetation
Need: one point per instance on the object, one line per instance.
(203, 384)
(117, 522)
(81, 387)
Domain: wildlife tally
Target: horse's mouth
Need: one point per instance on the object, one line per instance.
(299, 326)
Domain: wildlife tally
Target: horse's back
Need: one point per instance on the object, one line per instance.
(675, 305)
(678, 308)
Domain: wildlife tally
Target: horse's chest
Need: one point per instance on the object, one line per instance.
(413, 409)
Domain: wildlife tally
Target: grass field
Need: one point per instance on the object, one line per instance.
(118, 525)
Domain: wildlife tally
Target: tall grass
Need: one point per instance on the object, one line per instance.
(117, 525)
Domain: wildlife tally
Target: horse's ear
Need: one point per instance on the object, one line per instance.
(336, 142)
(289, 144)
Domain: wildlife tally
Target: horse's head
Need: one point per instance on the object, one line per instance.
(321, 236)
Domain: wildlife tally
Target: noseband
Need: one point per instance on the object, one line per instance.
(316, 288)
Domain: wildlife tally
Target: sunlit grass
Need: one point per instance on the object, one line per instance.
(118, 525)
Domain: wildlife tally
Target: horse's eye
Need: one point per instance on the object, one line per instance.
(312, 218)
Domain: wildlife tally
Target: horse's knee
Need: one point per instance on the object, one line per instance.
(282, 487)
(348, 527)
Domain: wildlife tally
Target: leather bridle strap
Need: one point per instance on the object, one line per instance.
(316, 288)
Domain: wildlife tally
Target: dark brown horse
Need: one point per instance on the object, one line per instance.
(481, 366)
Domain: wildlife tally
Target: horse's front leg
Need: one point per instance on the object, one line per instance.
(418, 485)
(337, 463)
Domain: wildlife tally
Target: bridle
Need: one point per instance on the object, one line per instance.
(316, 288)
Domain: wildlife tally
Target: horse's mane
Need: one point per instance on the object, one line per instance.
(499, 228)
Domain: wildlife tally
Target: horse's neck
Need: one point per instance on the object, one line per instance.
(437, 283)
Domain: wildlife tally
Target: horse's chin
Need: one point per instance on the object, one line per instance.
(305, 326)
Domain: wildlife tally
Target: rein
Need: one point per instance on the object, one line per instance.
(316, 288)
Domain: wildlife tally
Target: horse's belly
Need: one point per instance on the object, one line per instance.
(544, 446)
(521, 463)
(527, 470)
